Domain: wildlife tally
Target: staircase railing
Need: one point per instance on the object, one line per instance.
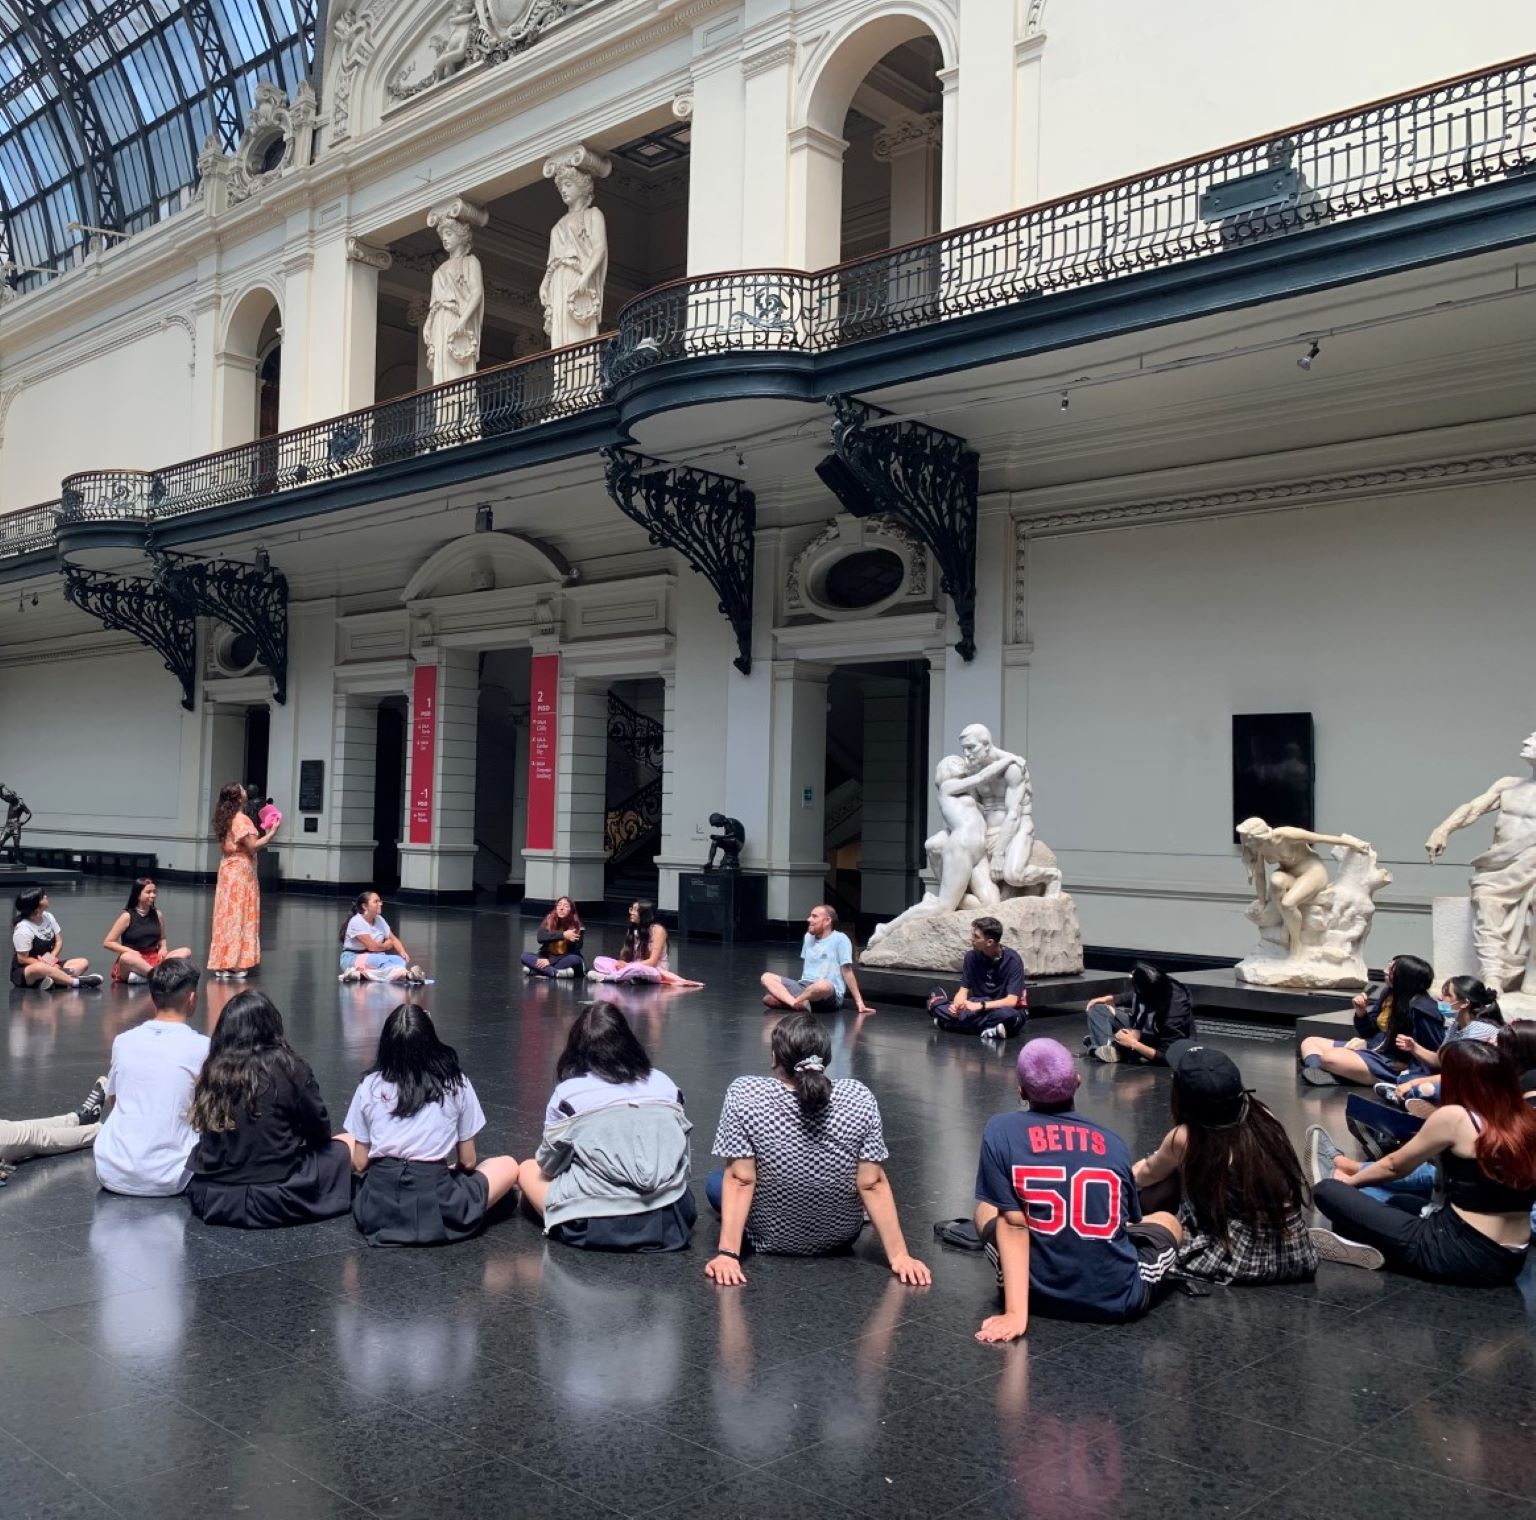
(633, 824)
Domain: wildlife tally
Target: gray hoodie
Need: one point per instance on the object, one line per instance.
(628, 1157)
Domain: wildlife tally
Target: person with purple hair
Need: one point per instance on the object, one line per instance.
(1058, 1212)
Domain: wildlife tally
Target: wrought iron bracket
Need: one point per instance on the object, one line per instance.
(924, 478)
(251, 599)
(142, 608)
(711, 520)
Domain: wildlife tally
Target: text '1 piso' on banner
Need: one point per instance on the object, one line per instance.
(543, 749)
(423, 778)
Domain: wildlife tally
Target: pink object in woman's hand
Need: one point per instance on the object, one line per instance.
(270, 818)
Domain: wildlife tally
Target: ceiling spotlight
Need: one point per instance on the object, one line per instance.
(485, 522)
(1305, 362)
(1066, 401)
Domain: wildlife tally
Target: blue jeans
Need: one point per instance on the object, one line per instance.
(714, 1186)
(371, 960)
(1421, 1180)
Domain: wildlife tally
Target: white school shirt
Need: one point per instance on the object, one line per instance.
(26, 933)
(432, 1133)
(146, 1140)
(358, 925)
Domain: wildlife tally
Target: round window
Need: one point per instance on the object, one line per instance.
(238, 654)
(269, 154)
(862, 579)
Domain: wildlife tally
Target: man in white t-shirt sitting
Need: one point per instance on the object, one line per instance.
(826, 975)
(146, 1138)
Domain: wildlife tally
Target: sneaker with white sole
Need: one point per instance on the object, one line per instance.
(1348, 1253)
(1388, 1093)
(566, 973)
(1321, 1153)
(1109, 1053)
(89, 1112)
(1317, 1077)
(996, 1032)
(91, 979)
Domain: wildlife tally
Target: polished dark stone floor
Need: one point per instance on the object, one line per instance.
(150, 1366)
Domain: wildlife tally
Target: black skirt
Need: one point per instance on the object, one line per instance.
(320, 1187)
(418, 1203)
(665, 1229)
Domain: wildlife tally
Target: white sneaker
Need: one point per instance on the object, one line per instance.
(1320, 1153)
(1109, 1053)
(568, 973)
(996, 1032)
(596, 976)
(1349, 1253)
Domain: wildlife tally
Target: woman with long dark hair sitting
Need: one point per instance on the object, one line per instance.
(1142, 1022)
(137, 936)
(644, 955)
(1228, 1170)
(611, 1173)
(1402, 1005)
(1483, 1137)
(560, 936)
(265, 1154)
(1471, 1011)
(413, 1120)
(37, 947)
(803, 1156)
(370, 950)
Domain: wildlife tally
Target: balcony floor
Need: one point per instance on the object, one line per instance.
(158, 1367)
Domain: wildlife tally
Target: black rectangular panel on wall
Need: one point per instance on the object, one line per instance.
(311, 786)
(1273, 770)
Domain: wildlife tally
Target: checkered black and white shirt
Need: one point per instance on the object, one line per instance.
(806, 1201)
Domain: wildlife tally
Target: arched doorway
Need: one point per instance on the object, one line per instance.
(248, 369)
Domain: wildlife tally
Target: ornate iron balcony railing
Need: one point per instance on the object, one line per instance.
(1426, 144)
(27, 531)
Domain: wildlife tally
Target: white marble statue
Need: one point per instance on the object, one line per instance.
(452, 45)
(1503, 876)
(987, 851)
(571, 292)
(451, 331)
(1311, 931)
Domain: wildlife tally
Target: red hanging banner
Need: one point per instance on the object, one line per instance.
(544, 695)
(423, 752)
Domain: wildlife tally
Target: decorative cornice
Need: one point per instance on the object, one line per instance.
(359, 252)
(1354, 485)
(908, 135)
(1020, 631)
(769, 57)
(1034, 19)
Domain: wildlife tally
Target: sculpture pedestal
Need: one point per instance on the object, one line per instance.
(1303, 972)
(723, 903)
(1044, 930)
(1454, 951)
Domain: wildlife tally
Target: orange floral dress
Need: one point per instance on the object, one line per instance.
(236, 904)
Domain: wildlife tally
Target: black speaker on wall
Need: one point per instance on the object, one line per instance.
(1273, 771)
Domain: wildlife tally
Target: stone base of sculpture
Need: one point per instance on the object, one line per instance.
(1044, 930)
(1305, 973)
(1451, 925)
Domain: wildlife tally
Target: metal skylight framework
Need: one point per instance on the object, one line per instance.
(105, 105)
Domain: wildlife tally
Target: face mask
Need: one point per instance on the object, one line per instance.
(1446, 1010)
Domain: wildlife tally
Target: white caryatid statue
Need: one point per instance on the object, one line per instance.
(1503, 876)
(451, 331)
(571, 291)
(1312, 930)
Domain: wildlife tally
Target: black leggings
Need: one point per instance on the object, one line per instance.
(1440, 1246)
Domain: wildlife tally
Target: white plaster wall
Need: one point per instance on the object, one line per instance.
(108, 772)
(1126, 86)
(1403, 626)
(127, 406)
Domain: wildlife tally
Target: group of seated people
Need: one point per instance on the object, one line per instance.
(643, 956)
(1073, 1224)
(137, 940)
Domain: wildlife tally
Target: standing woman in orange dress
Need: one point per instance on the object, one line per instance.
(236, 943)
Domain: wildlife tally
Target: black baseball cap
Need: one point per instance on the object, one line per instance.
(1210, 1085)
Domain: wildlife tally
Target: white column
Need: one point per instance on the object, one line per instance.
(987, 139)
(678, 851)
(447, 864)
(354, 757)
(716, 181)
(814, 224)
(797, 865)
(342, 346)
(911, 148)
(293, 402)
(767, 235)
(749, 710)
(886, 865)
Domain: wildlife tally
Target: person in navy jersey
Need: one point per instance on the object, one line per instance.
(991, 1001)
(1058, 1212)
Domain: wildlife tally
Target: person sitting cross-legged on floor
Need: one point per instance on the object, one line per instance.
(37, 947)
(370, 950)
(1058, 1211)
(1230, 1172)
(643, 956)
(1483, 1137)
(22, 1139)
(1400, 1006)
(992, 1000)
(137, 936)
(1140, 1024)
(413, 1120)
(611, 1173)
(146, 1139)
(560, 935)
(826, 970)
(1472, 1012)
(803, 1156)
(266, 1155)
